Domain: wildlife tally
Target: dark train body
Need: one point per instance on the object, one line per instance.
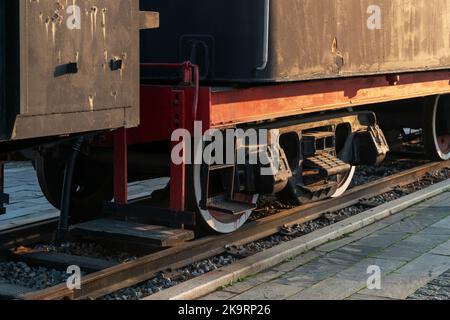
(256, 41)
(67, 68)
(335, 83)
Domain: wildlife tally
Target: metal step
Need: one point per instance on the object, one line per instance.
(318, 187)
(327, 164)
(230, 206)
(142, 234)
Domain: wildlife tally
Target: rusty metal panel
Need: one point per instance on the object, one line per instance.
(301, 39)
(78, 66)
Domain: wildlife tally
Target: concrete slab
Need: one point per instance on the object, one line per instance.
(242, 286)
(298, 261)
(444, 223)
(412, 247)
(358, 250)
(268, 275)
(442, 249)
(358, 272)
(381, 239)
(219, 296)
(411, 277)
(311, 273)
(362, 297)
(330, 289)
(269, 291)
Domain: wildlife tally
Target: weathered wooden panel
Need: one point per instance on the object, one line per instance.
(306, 39)
(77, 59)
(351, 37)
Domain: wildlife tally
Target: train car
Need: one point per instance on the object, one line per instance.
(67, 69)
(267, 41)
(329, 82)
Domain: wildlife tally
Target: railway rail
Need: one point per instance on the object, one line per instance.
(117, 277)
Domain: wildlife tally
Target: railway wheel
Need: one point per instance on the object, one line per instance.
(92, 185)
(344, 182)
(208, 195)
(437, 128)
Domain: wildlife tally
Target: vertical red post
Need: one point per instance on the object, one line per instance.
(120, 167)
(178, 172)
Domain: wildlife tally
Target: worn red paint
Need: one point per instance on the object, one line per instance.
(178, 172)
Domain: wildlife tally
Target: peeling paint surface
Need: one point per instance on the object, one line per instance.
(71, 46)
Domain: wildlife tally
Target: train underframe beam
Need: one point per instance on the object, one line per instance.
(325, 129)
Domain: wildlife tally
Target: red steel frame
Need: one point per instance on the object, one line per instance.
(218, 108)
(178, 172)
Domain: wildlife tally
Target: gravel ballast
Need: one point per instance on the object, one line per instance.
(21, 274)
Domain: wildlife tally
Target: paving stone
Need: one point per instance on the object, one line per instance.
(329, 289)
(344, 257)
(444, 223)
(428, 265)
(443, 249)
(269, 291)
(361, 297)
(334, 245)
(361, 251)
(297, 261)
(412, 276)
(435, 231)
(310, 274)
(219, 295)
(435, 204)
(441, 198)
(437, 289)
(412, 247)
(401, 252)
(397, 287)
(381, 239)
(430, 219)
(371, 231)
(408, 213)
(268, 275)
(243, 286)
(358, 272)
(408, 225)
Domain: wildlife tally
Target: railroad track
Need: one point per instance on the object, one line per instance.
(128, 274)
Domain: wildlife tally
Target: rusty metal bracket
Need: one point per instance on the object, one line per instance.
(148, 20)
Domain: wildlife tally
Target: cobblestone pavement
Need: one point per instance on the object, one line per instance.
(410, 249)
(28, 204)
(438, 289)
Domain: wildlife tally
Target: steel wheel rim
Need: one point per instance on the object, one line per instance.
(344, 183)
(441, 141)
(218, 221)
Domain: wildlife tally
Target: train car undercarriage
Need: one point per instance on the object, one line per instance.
(321, 131)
